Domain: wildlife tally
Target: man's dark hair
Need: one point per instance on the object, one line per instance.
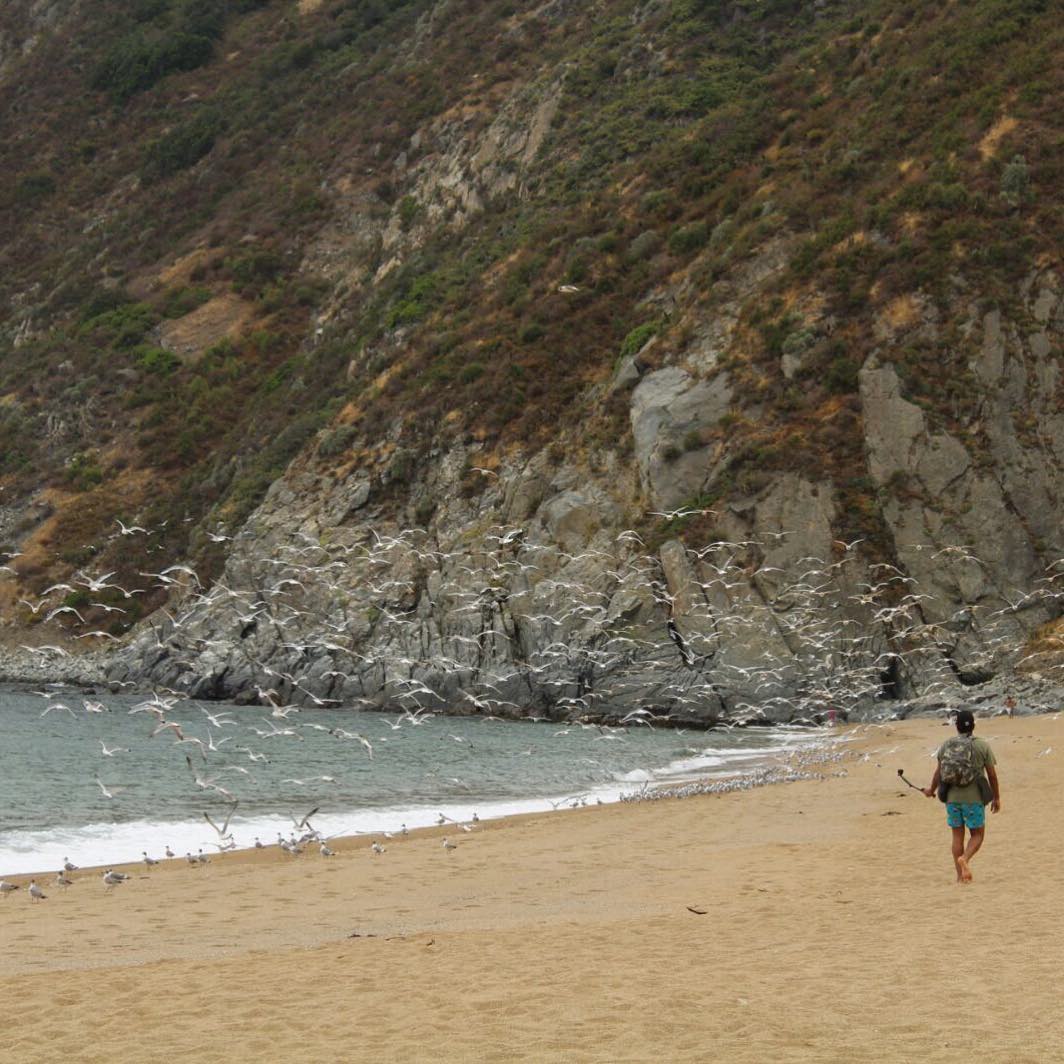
(965, 721)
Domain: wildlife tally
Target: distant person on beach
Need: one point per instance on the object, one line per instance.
(959, 774)
(1010, 705)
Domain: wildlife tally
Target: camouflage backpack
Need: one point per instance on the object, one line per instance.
(957, 761)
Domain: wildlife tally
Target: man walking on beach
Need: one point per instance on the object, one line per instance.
(962, 761)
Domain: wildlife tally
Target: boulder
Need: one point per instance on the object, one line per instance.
(669, 409)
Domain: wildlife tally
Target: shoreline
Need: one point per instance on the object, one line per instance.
(743, 926)
(764, 769)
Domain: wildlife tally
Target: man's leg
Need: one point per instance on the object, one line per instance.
(958, 851)
(975, 840)
(974, 818)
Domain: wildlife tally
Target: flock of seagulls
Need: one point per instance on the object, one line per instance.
(799, 766)
(517, 625)
(305, 835)
(520, 622)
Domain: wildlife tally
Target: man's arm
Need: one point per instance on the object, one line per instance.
(991, 774)
(932, 790)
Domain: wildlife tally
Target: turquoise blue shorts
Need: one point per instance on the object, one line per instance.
(971, 815)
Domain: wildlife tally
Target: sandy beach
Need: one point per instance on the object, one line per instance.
(833, 930)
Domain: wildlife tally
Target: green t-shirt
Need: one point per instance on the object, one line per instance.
(983, 756)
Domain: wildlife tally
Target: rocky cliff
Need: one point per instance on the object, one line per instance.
(536, 595)
(639, 364)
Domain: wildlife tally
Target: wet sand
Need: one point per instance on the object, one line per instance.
(833, 931)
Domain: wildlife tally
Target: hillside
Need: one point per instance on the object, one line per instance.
(280, 279)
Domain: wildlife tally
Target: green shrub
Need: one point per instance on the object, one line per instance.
(224, 353)
(423, 512)
(182, 147)
(77, 599)
(283, 373)
(289, 56)
(409, 209)
(656, 202)
(576, 269)
(415, 304)
(722, 233)
(205, 18)
(644, 245)
(265, 341)
(336, 440)
(82, 472)
(401, 467)
(841, 375)
(254, 270)
(521, 276)
(798, 342)
(153, 359)
(101, 302)
(136, 62)
(945, 196)
(688, 238)
(123, 327)
(34, 188)
(183, 300)
(147, 10)
(635, 340)
(1016, 182)
(531, 332)
(471, 372)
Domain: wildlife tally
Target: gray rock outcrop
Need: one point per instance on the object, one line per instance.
(539, 596)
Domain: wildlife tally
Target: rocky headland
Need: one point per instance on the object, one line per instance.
(659, 360)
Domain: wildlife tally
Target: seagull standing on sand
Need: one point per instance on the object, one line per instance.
(6, 888)
(36, 894)
(448, 845)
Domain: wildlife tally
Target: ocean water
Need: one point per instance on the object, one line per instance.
(54, 772)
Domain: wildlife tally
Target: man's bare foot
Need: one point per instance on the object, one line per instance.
(963, 870)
